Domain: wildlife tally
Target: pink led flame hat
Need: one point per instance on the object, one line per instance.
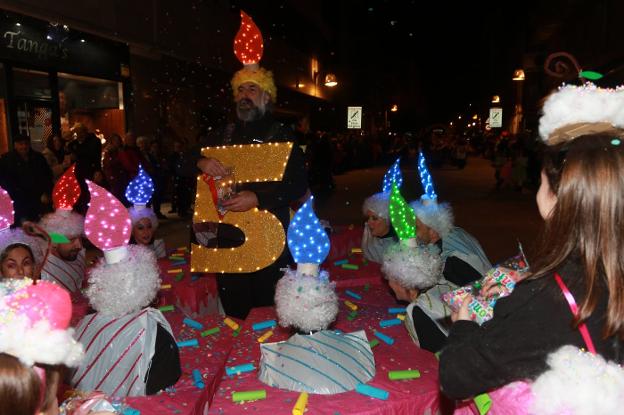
(7, 214)
(107, 224)
(34, 323)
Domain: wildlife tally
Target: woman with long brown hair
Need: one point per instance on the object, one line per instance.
(575, 294)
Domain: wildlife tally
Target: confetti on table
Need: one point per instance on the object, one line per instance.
(386, 339)
(350, 266)
(351, 305)
(174, 271)
(403, 374)
(166, 308)
(389, 323)
(208, 332)
(354, 295)
(265, 336)
(372, 391)
(248, 395)
(231, 323)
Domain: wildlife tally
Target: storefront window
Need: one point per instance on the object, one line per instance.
(33, 100)
(95, 103)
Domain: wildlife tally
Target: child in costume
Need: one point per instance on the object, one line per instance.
(130, 348)
(574, 295)
(35, 344)
(378, 234)
(144, 221)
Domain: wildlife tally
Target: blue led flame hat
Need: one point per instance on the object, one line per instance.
(139, 191)
(378, 203)
(437, 216)
(307, 240)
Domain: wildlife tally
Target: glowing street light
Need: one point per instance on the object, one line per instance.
(518, 75)
(496, 99)
(331, 80)
(394, 108)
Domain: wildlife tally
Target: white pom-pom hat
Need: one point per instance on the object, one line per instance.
(139, 212)
(64, 222)
(437, 216)
(573, 111)
(378, 204)
(126, 286)
(418, 267)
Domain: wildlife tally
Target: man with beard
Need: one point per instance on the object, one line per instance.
(65, 264)
(254, 95)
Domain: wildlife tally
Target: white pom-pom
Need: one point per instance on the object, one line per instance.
(67, 223)
(578, 383)
(585, 104)
(305, 302)
(378, 204)
(413, 267)
(126, 286)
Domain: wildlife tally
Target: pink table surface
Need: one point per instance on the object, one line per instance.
(184, 398)
(196, 298)
(417, 396)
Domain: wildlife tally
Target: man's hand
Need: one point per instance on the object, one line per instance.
(241, 201)
(212, 167)
(463, 313)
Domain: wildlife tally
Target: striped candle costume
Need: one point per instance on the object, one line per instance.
(118, 351)
(68, 274)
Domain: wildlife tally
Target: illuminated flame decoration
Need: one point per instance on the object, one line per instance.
(7, 214)
(402, 215)
(393, 175)
(425, 178)
(140, 189)
(67, 190)
(248, 44)
(307, 240)
(107, 223)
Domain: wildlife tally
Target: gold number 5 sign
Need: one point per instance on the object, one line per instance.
(264, 235)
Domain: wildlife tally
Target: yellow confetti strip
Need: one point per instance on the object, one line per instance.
(174, 271)
(165, 287)
(265, 336)
(231, 323)
(401, 316)
(351, 305)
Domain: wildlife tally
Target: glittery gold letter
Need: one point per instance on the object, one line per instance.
(264, 235)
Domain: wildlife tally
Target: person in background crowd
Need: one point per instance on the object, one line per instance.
(114, 172)
(54, 153)
(25, 174)
(182, 182)
(130, 157)
(159, 173)
(86, 152)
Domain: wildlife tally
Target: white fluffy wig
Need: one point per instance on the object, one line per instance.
(306, 302)
(438, 217)
(578, 382)
(70, 224)
(417, 267)
(378, 204)
(126, 286)
(137, 214)
(580, 104)
(14, 236)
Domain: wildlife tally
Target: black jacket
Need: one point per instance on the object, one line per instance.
(26, 181)
(272, 196)
(532, 322)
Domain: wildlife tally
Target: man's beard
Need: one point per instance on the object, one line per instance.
(70, 256)
(247, 111)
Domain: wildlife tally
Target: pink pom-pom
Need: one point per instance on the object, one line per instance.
(7, 215)
(44, 301)
(107, 223)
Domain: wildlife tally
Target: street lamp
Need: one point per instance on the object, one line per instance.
(394, 108)
(518, 75)
(496, 99)
(331, 80)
